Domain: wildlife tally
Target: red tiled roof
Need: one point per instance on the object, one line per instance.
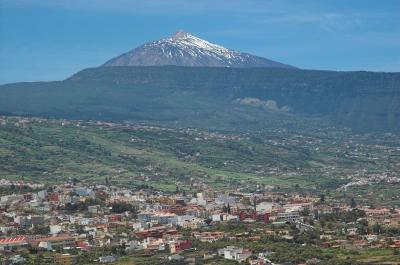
(54, 239)
(11, 240)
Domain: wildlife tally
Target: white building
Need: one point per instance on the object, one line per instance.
(234, 253)
(289, 216)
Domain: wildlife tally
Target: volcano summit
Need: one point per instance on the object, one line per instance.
(184, 49)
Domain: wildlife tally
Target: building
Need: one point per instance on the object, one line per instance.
(10, 242)
(65, 259)
(58, 241)
(107, 259)
(288, 216)
(234, 253)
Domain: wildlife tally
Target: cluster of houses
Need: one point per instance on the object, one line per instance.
(83, 217)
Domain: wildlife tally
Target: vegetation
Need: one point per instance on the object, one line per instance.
(164, 158)
(213, 97)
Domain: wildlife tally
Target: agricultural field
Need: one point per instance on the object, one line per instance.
(160, 157)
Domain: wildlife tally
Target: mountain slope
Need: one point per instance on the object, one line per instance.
(221, 98)
(184, 49)
(43, 150)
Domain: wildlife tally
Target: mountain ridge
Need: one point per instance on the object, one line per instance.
(217, 97)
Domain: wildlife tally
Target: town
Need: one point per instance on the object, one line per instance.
(83, 223)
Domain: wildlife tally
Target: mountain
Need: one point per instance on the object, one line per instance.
(184, 49)
(215, 97)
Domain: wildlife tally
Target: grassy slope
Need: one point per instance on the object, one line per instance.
(51, 152)
(46, 151)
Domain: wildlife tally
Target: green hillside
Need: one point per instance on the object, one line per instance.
(219, 98)
(322, 158)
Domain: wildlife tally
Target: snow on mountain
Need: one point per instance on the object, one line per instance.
(184, 49)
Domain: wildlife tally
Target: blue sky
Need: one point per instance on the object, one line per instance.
(52, 39)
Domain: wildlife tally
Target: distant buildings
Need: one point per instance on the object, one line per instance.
(72, 218)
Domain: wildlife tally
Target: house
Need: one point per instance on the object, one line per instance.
(45, 245)
(176, 247)
(164, 218)
(37, 220)
(208, 236)
(93, 209)
(84, 245)
(42, 195)
(82, 191)
(65, 259)
(352, 232)
(289, 216)
(371, 238)
(379, 213)
(223, 217)
(156, 232)
(55, 229)
(107, 259)
(57, 241)
(13, 242)
(23, 221)
(265, 207)
(234, 253)
(187, 221)
(144, 216)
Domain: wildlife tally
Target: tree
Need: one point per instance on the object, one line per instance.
(363, 226)
(120, 207)
(75, 181)
(377, 229)
(353, 203)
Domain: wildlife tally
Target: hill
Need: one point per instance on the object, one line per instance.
(134, 155)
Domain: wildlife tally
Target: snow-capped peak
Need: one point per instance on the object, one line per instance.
(195, 46)
(185, 49)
